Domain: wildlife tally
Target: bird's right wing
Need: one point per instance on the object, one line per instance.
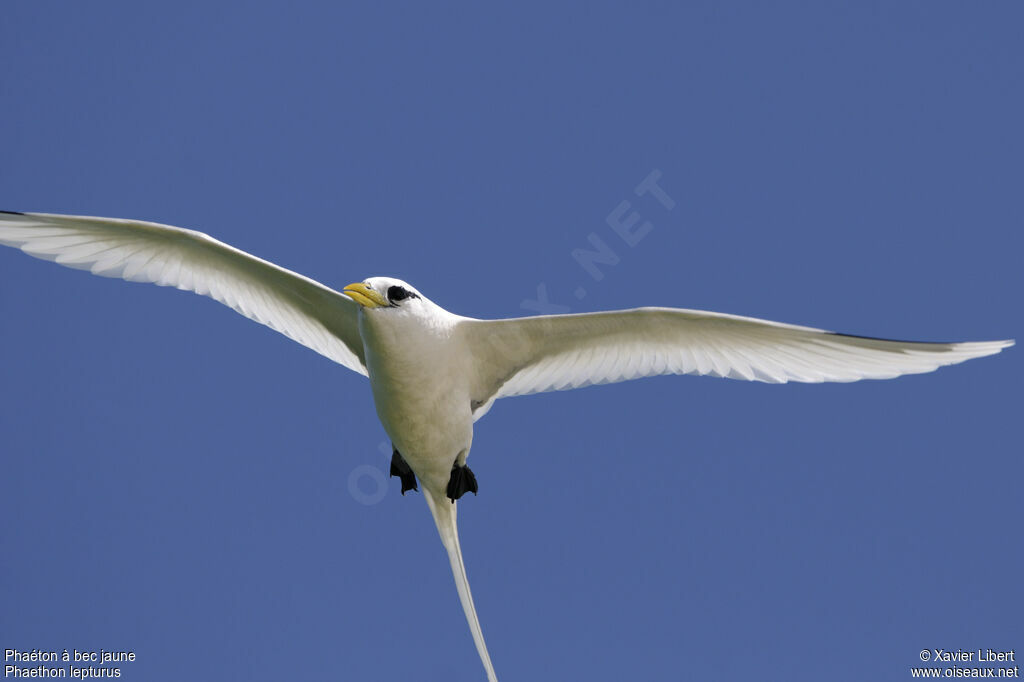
(303, 310)
(558, 352)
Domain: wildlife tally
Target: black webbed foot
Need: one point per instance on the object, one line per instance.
(462, 481)
(401, 468)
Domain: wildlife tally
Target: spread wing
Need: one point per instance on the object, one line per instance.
(558, 352)
(303, 310)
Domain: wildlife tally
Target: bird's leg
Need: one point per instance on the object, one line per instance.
(461, 481)
(401, 468)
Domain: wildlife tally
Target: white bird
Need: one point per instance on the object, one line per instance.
(434, 373)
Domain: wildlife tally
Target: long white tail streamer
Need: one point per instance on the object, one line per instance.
(444, 513)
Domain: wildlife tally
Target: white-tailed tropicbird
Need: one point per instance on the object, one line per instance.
(434, 373)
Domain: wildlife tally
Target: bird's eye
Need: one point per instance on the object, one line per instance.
(396, 294)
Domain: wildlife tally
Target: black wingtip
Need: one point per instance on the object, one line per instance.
(877, 338)
(12, 212)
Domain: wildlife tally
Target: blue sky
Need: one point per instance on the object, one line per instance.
(179, 481)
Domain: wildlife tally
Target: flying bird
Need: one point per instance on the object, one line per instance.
(434, 373)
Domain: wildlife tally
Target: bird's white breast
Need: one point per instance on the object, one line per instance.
(419, 389)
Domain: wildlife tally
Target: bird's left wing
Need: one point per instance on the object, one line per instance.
(558, 352)
(303, 310)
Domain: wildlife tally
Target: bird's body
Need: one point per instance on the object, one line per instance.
(424, 408)
(433, 373)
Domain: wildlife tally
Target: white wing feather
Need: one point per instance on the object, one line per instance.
(559, 352)
(303, 310)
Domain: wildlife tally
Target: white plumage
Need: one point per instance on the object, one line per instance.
(434, 373)
(301, 309)
(560, 352)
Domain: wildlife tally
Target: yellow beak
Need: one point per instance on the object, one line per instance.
(365, 296)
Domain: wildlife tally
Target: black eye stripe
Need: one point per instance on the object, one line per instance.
(396, 294)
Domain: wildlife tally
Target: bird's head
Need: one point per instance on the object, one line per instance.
(385, 293)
